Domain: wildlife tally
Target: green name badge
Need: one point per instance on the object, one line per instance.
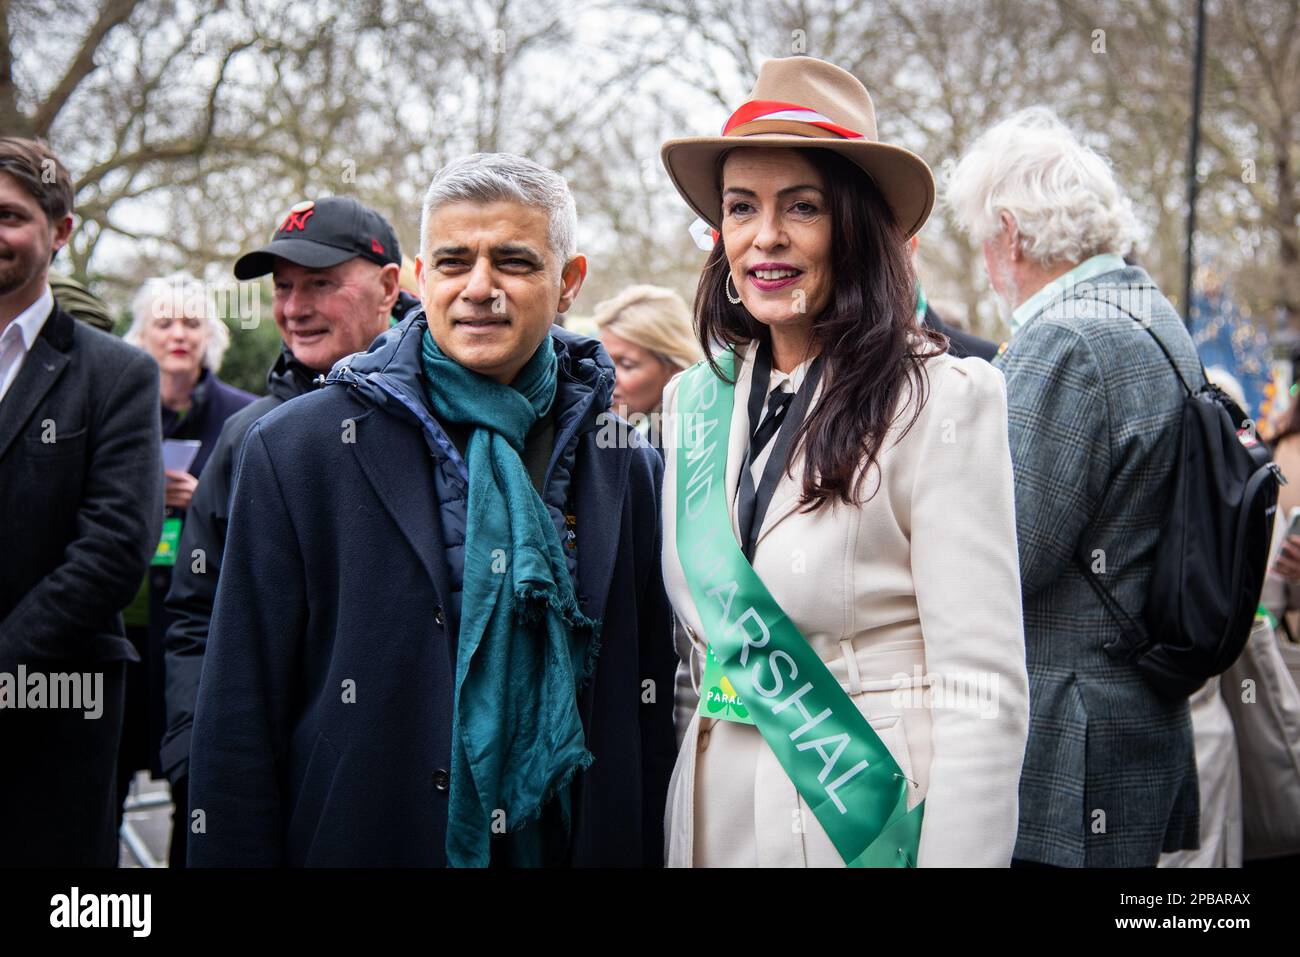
(719, 698)
(165, 554)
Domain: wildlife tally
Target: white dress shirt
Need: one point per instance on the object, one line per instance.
(19, 336)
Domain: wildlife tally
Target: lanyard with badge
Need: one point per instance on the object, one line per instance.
(178, 455)
(169, 543)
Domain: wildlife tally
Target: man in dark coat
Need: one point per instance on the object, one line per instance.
(332, 725)
(335, 265)
(81, 498)
(960, 344)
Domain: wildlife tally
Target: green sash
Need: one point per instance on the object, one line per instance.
(838, 764)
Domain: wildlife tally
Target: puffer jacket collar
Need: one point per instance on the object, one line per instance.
(289, 378)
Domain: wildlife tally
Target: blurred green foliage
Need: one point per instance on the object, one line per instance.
(251, 354)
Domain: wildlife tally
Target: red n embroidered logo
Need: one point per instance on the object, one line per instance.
(375, 247)
(297, 219)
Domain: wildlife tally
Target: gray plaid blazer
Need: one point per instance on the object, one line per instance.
(1109, 775)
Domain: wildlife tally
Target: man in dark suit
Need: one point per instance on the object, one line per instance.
(80, 514)
(960, 344)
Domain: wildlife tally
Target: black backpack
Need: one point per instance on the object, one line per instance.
(1212, 553)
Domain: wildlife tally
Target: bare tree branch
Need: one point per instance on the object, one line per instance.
(112, 13)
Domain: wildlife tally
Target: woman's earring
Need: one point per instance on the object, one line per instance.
(726, 287)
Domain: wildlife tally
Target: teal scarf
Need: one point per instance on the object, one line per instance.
(524, 647)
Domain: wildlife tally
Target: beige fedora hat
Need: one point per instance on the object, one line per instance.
(804, 102)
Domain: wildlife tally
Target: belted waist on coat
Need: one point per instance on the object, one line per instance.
(865, 666)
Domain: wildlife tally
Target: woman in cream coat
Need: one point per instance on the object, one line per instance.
(909, 591)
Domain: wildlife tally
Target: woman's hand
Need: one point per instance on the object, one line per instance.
(179, 489)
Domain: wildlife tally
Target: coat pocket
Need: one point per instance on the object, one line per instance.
(882, 712)
(55, 444)
(890, 729)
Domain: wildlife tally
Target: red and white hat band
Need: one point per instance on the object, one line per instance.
(772, 116)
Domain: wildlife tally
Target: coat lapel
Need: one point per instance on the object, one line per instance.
(399, 471)
(42, 368)
(600, 485)
(785, 500)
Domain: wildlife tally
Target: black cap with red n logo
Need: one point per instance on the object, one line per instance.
(322, 233)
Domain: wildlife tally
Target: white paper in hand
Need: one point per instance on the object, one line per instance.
(178, 454)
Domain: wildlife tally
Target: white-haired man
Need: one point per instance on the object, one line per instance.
(334, 265)
(441, 635)
(1109, 777)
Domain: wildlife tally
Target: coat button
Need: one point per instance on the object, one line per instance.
(441, 779)
(438, 617)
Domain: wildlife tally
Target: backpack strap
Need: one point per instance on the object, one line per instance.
(1135, 639)
(1151, 332)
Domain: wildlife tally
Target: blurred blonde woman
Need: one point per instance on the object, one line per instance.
(647, 331)
(174, 319)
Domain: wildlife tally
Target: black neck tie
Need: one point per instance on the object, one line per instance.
(754, 496)
(777, 402)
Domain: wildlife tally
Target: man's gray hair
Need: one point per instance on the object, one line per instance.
(1063, 195)
(489, 177)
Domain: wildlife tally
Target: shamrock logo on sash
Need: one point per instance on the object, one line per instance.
(723, 697)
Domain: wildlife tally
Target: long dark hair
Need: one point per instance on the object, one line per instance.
(865, 334)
